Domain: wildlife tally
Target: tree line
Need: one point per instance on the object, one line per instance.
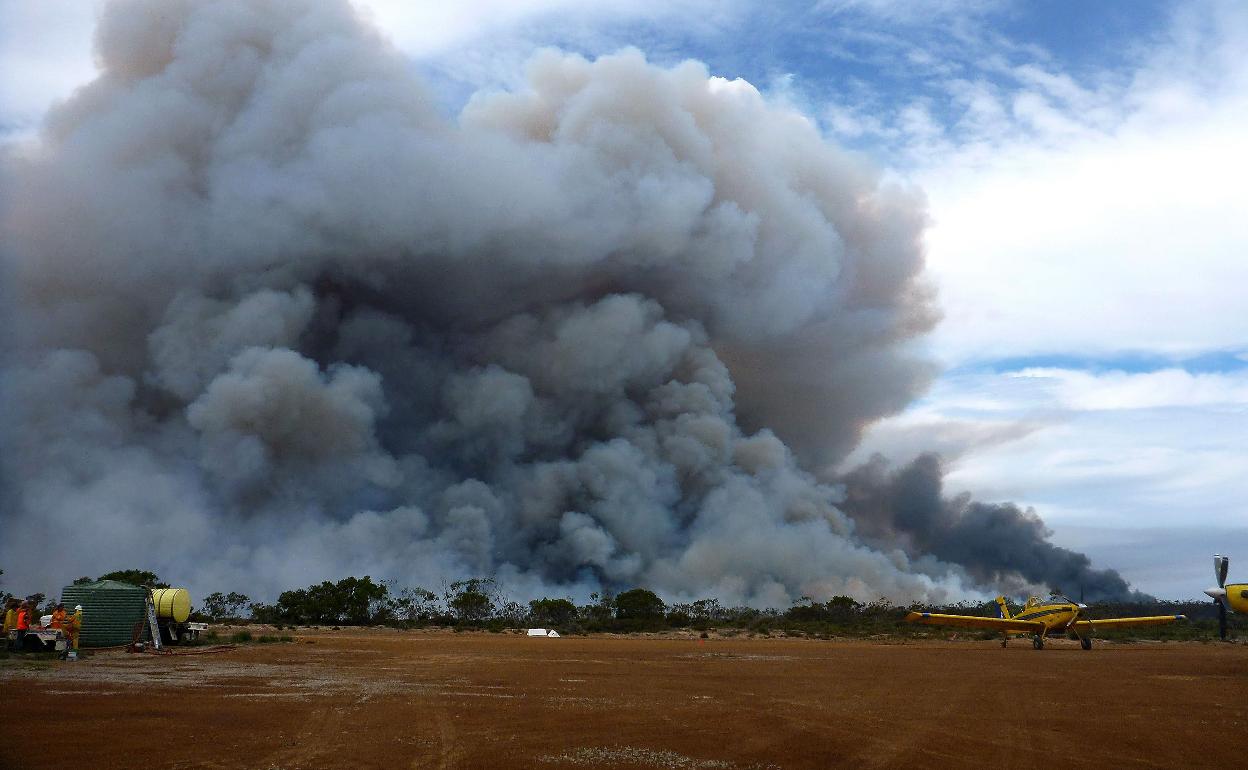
(480, 603)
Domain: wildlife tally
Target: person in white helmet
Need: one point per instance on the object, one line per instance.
(73, 626)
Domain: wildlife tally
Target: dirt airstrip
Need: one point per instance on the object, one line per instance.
(375, 698)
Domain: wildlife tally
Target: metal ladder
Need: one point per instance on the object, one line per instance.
(152, 623)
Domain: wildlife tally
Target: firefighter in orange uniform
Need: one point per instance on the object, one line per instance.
(23, 625)
(58, 617)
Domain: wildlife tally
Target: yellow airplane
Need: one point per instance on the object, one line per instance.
(1056, 617)
(1236, 594)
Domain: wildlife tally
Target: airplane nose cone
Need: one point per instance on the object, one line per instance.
(1083, 606)
(1216, 593)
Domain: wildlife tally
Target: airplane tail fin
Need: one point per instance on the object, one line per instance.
(1003, 610)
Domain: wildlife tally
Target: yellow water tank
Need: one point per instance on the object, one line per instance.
(172, 603)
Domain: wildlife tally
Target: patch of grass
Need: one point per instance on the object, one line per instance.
(34, 659)
(241, 637)
(268, 639)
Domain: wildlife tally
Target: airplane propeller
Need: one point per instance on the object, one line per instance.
(1080, 608)
(1221, 564)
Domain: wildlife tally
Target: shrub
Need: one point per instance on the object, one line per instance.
(471, 601)
(557, 613)
(639, 604)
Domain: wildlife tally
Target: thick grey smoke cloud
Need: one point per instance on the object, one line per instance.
(997, 544)
(271, 319)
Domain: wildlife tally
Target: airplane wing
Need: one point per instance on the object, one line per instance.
(1151, 620)
(974, 621)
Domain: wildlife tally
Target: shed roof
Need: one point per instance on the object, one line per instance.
(108, 585)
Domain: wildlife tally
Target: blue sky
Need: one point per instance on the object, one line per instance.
(1083, 164)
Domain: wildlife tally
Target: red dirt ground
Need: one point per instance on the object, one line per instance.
(376, 698)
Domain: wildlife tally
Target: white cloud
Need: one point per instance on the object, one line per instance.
(45, 53)
(1045, 392)
(1132, 244)
(1086, 391)
(423, 29)
(1085, 219)
(426, 29)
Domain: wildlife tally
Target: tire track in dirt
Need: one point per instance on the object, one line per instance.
(448, 751)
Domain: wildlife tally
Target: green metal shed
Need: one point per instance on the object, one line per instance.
(110, 610)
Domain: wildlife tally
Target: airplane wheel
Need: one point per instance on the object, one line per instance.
(1038, 643)
(1003, 643)
(1085, 644)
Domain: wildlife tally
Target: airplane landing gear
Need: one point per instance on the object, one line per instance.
(1037, 642)
(1086, 643)
(1003, 643)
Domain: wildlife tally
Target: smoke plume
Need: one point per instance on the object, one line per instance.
(997, 544)
(272, 319)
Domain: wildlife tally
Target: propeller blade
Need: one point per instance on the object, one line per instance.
(1080, 611)
(1220, 566)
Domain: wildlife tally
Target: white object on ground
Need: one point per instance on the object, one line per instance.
(537, 632)
(553, 634)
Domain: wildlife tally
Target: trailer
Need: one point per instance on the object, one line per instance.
(167, 613)
(40, 639)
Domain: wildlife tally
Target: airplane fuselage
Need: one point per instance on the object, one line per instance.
(1055, 617)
